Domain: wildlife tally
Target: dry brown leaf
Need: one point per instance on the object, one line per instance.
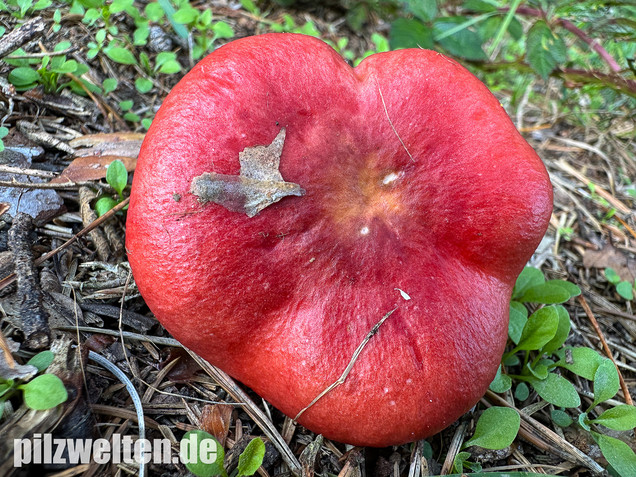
(215, 419)
(611, 257)
(91, 168)
(115, 144)
(259, 184)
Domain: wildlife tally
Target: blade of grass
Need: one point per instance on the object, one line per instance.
(503, 28)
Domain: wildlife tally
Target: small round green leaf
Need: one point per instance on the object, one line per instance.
(522, 392)
(612, 276)
(620, 456)
(557, 390)
(518, 319)
(202, 454)
(117, 176)
(501, 383)
(547, 293)
(562, 332)
(496, 428)
(606, 382)
(581, 361)
(540, 329)
(528, 278)
(143, 85)
(625, 290)
(109, 85)
(44, 392)
(104, 204)
(42, 360)
(561, 418)
(222, 30)
(23, 76)
(251, 458)
(121, 55)
(619, 418)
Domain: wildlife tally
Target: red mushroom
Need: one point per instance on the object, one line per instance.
(342, 240)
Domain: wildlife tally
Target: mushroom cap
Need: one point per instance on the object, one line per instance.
(420, 197)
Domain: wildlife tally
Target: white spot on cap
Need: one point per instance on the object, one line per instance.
(404, 295)
(392, 403)
(386, 390)
(409, 381)
(364, 230)
(389, 178)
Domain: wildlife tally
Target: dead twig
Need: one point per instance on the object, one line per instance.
(608, 352)
(345, 373)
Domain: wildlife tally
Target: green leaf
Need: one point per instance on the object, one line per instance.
(619, 418)
(251, 458)
(104, 204)
(620, 456)
(250, 7)
(522, 392)
(480, 6)
(153, 12)
(66, 67)
(44, 392)
(409, 33)
(109, 85)
(23, 76)
(540, 329)
(528, 278)
(581, 361)
(612, 276)
(202, 454)
(186, 15)
(459, 461)
(132, 117)
(424, 10)
(606, 382)
(121, 55)
(140, 37)
(546, 293)
(126, 105)
(465, 43)
(170, 67)
(3, 131)
(501, 383)
(570, 287)
(625, 290)
(143, 85)
(42, 360)
(540, 371)
(544, 50)
(557, 390)
(561, 418)
(562, 332)
(117, 176)
(496, 428)
(222, 30)
(518, 319)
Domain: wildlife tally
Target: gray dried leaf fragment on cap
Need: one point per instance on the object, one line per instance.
(259, 184)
